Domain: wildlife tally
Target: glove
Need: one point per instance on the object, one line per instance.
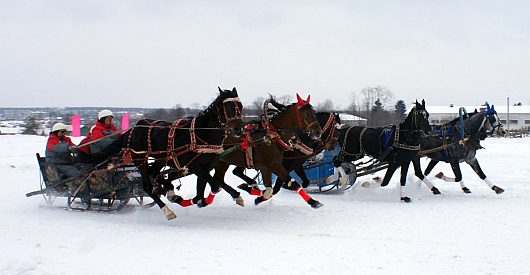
(73, 148)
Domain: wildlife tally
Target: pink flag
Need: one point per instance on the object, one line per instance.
(76, 125)
(125, 121)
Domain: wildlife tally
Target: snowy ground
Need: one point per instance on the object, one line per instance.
(361, 231)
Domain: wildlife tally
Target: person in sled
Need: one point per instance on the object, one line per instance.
(103, 137)
(59, 149)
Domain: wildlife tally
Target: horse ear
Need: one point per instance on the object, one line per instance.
(220, 91)
(493, 108)
(308, 98)
(423, 103)
(488, 109)
(234, 90)
(299, 100)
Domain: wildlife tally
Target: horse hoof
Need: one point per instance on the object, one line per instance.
(259, 200)
(315, 204)
(406, 199)
(466, 190)
(201, 203)
(435, 191)
(305, 184)
(497, 189)
(267, 193)
(239, 201)
(439, 175)
(175, 199)
(168, 213)
(377, 179)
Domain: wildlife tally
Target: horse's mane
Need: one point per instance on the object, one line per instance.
(212, 107)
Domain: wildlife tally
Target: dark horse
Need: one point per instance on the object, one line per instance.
(264, 145)
(454, 149)
(397, 145)
(187, 146)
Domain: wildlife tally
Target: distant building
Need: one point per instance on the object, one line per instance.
(352, 120)
(519, 115)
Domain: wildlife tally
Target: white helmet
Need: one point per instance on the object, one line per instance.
(104, 113)
(58, 126)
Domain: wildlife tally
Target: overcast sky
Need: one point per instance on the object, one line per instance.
(163, 53)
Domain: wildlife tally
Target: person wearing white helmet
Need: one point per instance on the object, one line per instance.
(96, 151)
(59, 149)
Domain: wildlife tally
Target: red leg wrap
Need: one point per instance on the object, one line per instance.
(303, 194)
(210, 198)
(186, 203)
(255, 192)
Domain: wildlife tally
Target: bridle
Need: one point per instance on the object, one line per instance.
(494, 121)
(237, 111)
(302, 121)
(415, 113)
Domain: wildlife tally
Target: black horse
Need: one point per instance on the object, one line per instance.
(454, 149)
(396, 145)
(187, 146)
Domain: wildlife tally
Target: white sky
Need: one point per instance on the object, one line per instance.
(163, 53)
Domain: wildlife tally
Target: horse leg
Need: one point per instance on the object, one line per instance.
(299, 170)
(458, 177)
(403, 180)
(476, 167)
(389, 172)
(292, 184)
(148, 188)
(204, 174)
(240, 172)
(419, 174)
(219, 175)
(430, 166)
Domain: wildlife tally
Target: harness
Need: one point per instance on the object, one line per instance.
(196, 144)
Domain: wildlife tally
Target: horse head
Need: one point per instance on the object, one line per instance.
(299, 115)
(229, 111)
(493, 124)
(419, 118)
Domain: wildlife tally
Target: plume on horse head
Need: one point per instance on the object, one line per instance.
(300, 102)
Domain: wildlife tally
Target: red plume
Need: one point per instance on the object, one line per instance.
(308, 98)
(300, 100)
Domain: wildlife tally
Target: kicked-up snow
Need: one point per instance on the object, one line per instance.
(360, 231)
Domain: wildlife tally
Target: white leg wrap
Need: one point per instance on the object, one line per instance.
(342, 172)
(401, 191)
(428, 183)
(267, 193)
(488, 182)
(333, 177)
(462, 185)
(168, 213)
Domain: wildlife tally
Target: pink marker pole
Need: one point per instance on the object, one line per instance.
(76, 125)
(125, 121)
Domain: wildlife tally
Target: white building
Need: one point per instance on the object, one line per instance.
(519, 115)
(352, 120)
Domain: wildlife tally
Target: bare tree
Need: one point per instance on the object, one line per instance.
(326, 106)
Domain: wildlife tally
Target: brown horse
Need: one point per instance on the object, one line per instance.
(263, 147)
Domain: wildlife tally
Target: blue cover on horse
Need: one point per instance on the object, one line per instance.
(387, 133)
(447, 131)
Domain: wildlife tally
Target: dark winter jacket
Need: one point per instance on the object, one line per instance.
(97, 132)
(57, 150)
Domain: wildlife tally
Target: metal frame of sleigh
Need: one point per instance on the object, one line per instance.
(320, 172)
(98, 189)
